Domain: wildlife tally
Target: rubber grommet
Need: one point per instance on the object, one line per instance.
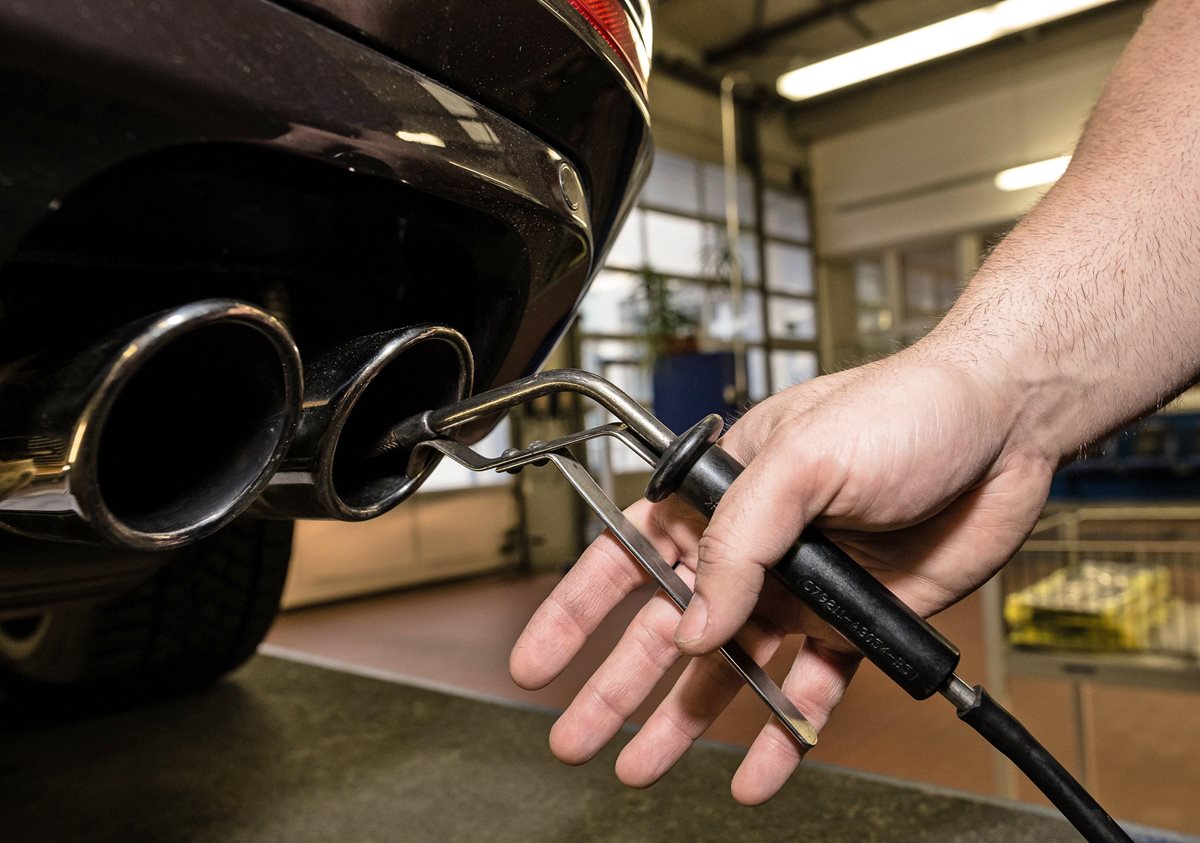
(679, 457)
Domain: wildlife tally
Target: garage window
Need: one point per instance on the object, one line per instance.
(677, 231)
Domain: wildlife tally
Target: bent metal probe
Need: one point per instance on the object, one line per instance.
(889, 634)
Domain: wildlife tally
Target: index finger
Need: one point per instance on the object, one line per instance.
(604, 576)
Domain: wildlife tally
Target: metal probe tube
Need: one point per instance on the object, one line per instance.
(655, 434)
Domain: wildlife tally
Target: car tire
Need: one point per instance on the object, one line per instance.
(199, 616)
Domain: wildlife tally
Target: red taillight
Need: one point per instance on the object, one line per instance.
(609, 18)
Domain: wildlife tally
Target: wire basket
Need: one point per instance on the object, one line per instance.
(1108, 580)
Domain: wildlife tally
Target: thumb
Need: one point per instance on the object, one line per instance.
(756, 522)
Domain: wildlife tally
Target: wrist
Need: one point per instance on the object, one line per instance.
(1037, 408)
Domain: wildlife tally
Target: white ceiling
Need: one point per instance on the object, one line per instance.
(715, 37)
(694, 29)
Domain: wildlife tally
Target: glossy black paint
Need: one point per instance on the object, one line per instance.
(242, 149)
(535, 61)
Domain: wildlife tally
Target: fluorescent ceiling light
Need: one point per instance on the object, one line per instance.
(1032, 175)
(929, 42)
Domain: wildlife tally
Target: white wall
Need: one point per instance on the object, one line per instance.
(687, 120)
(929, 171)
(420, 541)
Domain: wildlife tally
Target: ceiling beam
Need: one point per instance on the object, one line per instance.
(681, 70)
(684, 71)
(856, 23)
(756, 40)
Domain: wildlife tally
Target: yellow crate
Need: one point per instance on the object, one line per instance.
(1112, 578)
(1094, 605)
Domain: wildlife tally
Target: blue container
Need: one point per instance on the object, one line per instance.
(687, 387)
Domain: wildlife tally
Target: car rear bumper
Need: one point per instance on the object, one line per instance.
(537, 62)
(92, 87)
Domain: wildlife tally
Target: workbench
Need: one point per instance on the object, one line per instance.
(284, 751)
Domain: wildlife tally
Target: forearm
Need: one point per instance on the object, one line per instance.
(1088, 313)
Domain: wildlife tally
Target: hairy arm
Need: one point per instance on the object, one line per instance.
(1088, 313)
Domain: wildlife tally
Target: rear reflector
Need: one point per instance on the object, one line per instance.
(609, 18)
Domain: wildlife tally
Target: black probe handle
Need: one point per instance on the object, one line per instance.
(899, 642)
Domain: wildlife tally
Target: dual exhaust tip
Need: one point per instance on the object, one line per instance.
(170, 427)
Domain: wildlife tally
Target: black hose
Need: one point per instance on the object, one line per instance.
(1005, 732)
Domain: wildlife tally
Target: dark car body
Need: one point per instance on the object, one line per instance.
(348, 166)
(351, 165)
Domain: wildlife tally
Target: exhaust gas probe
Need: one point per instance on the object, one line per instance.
(889, 634)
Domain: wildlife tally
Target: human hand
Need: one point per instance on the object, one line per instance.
(914, 467)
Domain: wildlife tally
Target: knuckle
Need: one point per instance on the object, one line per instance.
(713, 671)
(656, 643)
(603, 697)
(780, 742)
(686, 726)
(820, 686)
(747, 437)
(723, 555)
(616, 566)
(715, 548)
(674, 526)
(824, 692)
(799, 442)
(559, 622)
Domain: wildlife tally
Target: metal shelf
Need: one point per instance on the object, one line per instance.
(1143, 669)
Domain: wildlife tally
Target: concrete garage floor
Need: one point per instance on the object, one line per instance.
(458, 636)
(290, 752)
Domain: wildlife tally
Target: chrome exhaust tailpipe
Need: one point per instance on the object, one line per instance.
(354, 394)
(157, 435)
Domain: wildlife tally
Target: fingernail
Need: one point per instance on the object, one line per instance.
(694, 621)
